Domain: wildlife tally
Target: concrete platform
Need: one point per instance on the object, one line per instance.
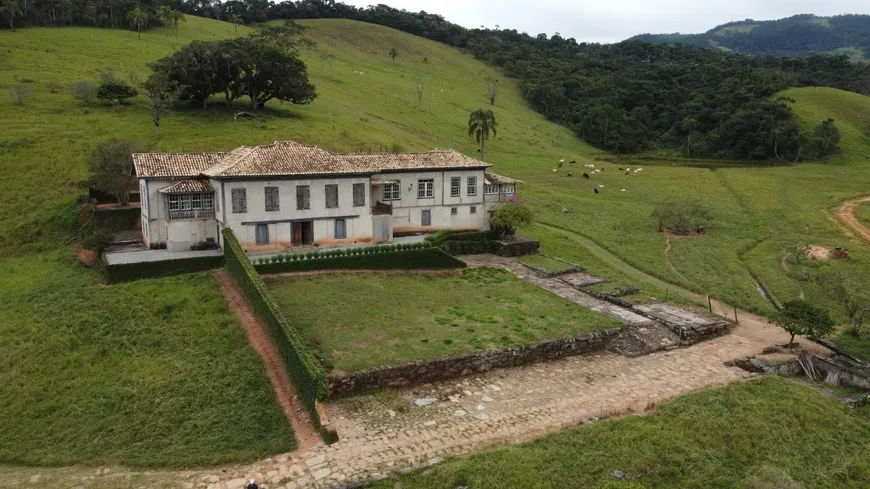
(127, 257)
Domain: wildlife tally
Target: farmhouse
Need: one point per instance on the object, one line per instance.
(288, 194)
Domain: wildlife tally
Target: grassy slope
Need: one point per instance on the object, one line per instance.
(151, 373)
(713, 439)
(427, 317)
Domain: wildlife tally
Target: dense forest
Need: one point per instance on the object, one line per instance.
(628, 97)
(800, 35)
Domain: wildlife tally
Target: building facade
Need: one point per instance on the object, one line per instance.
(286, 195)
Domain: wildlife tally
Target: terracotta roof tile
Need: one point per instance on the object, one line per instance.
(492, 178)
(188, 187)
(173, 165)
(435, 160)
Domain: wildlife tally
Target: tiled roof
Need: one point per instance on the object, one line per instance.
(173, 165)
(492, 178)
(433, 160)
(376, 180)
(188, 187)
(291, 158)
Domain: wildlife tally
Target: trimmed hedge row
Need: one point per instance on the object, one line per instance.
(404, 259)
(134, 271)
(308, 376)
(471, 247)
(118, 219)
(327, 254)
(441, 237)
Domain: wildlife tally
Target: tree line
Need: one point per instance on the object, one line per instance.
(626, 98)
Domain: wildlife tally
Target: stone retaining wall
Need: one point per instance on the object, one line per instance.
(348, 384)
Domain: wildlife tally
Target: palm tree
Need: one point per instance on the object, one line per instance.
(236, 19)
(10, 9)
(480, 125)
(164, 13)
(393, 53)
(139, 17)
(176, 15)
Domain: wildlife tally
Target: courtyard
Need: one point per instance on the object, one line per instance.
(363, 320)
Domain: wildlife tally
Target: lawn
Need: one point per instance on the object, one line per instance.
(544, 262)
(748, 435)
(359, 321)
(148, 373)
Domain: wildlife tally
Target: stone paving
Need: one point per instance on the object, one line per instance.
(677, 315)
(558, 287)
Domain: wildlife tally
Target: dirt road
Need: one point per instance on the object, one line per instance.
(846, 214)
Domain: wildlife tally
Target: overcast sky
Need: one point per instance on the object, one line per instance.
(615, 20)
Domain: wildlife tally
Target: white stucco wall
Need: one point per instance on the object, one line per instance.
(177, 235)
(407, 211)
(358, 219)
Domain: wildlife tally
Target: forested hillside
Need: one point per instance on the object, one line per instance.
(627, 98)
(800, 35)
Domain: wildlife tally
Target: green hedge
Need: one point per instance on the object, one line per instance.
(118, 219)
(441, 237)
(308, 376)
(135, 271)
(357, 259)
(470, 247)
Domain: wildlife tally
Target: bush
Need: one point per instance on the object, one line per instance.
(471, 247)
(98, 239)
(116, 91)
(135, 271)
(509, 217)
(308, 376)
(84, 91)
(373, 258)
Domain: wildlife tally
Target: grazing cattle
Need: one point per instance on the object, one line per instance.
(627, 172)
(560, 164)
(564, 210)
(570, 174)
(595, 190)
(572, 162)
(622, 169)
(585, 175)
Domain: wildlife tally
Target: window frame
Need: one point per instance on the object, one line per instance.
(305, 204)
(473, 210)
(455, 186)
(491, 189)
(426, 188)
(471, 186)
(326, 190)
(454, 211)
(392, 191)
(243, 200)
(343, 226)
(362, 188)
(275, 200)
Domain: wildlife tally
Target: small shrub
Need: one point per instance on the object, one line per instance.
(20, 92)
(116, 91)
(98, 239)
(84, 90)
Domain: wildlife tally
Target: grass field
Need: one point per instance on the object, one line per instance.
(862, 213)
(748, 435)
(391, 319)
(149, 373)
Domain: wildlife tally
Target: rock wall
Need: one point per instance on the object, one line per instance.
(340, 385)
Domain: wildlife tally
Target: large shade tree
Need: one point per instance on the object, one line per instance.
(10, 10)
(481, 126)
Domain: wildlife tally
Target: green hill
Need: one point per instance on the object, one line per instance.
(850, 111)
(799, 35)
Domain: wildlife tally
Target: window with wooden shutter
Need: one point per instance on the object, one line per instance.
(331, 196)
(359, 194)
(240, 200)
(472, 186)
(303, 197)
(455, 186)
(272, 203)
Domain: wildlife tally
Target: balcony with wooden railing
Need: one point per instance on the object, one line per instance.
(381, 209)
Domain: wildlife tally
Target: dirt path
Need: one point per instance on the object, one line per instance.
(261, 341)
(846, 214)
(786, 270)
(670, 264)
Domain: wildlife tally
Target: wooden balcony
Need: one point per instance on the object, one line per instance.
(381, 209)
(191, 214)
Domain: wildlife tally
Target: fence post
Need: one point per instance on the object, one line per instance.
(710, 304)
(736, 319)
